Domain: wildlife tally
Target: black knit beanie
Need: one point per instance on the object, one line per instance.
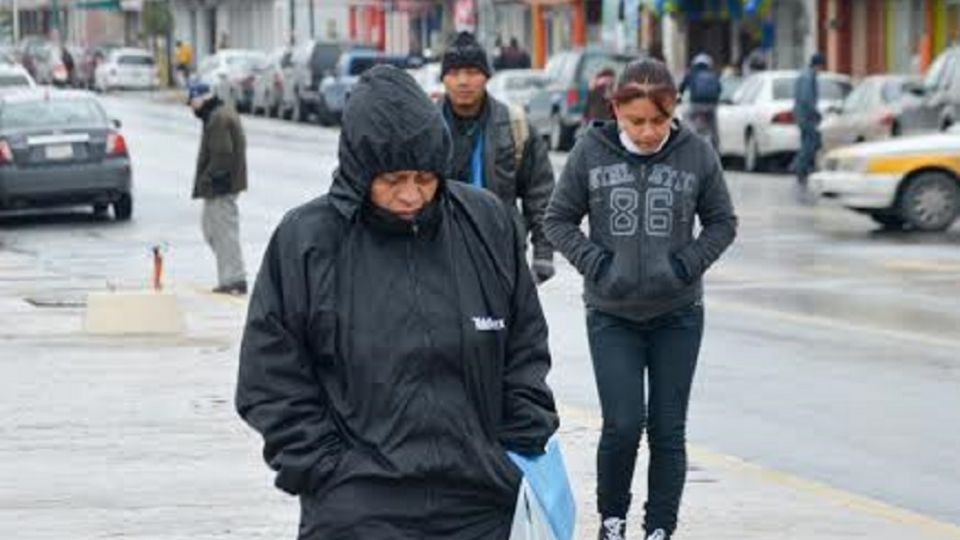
(465, 51)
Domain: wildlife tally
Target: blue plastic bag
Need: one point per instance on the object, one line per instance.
(547, 476)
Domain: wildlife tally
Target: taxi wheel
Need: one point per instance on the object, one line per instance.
(930, 201)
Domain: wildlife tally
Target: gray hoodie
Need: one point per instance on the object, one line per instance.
(641, 258)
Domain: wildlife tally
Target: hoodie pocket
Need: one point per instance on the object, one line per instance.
(616, 280)
(661, 278)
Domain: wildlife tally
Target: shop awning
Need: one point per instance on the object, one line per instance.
(104, 5)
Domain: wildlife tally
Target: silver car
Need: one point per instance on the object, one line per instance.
(937, 106)
(268, 85)
(14, 77)
(517, 87)
(231, 72)
(872, 112)
(59, 148)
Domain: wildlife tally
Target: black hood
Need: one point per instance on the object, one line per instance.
(388, 125)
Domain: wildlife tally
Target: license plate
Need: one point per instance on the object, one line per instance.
(59, 151)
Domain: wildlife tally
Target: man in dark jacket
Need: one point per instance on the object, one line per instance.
(807, 116)
(704, 88)
(395, 346)
(221, 175)
(495, 147)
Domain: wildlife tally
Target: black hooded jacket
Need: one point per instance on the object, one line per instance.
(389, 364)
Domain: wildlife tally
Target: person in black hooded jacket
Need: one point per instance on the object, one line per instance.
(395, 346)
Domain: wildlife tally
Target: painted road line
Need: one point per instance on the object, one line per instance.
(834, 324)
(836, 496)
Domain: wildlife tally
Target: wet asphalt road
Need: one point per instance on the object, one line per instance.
(832, 348)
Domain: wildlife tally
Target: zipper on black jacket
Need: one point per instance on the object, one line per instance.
(428, 342)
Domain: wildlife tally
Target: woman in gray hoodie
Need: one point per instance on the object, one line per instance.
(641, 181)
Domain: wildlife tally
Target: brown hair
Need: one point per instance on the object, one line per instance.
(647, 78)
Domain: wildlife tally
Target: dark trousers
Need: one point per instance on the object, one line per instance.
(663, 351)
(806, 158)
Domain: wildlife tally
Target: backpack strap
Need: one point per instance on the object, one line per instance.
(520, 131)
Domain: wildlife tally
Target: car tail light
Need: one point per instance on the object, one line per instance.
(573, 97)
(785, 117)
(6, 154)
(116, 145)
(887, 119)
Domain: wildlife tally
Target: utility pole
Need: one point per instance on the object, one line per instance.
(16, 22)
(313, 31)
(55, 16)
(293, 20)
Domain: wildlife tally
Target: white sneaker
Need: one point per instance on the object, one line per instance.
(613, 528)
(658, 534)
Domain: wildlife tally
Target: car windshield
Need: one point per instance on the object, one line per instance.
(526, 82)
(829, 89)
(50, 113)
(7, 81)
(595, 63)
(135, 60)
(893, 91)
(244, 62)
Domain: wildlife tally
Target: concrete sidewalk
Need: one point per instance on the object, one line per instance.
(136, 438)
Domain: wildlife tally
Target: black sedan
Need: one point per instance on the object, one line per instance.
(59, 148)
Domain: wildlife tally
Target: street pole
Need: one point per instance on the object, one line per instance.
(313, 31)
(16, 22)
(55, 16)
(293, 18)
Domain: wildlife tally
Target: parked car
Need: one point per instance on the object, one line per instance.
(268, 85)
(517, 86)
(44, 60)
(231, 74)
(335, 88)
(558, 108)
(938, 104)
(428, 77)
(14, 77)
(757, 123)
(126, 68)
(910, 181)
(58, 147)
(303, 69)
(874, 110)
(87, 61)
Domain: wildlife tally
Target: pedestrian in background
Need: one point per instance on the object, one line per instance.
(641, 182)
(184, 59)
(495, 147)
(598, 97)
(703, 84)
(395, 347)
(807, 116)
(220, 176)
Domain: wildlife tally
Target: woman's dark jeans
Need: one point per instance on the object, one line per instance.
(665, 349)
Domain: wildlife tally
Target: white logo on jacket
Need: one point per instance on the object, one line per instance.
(488, 324)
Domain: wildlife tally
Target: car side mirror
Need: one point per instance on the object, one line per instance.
(726, 101)
(835, 109)
(116, 123)
(917, 90)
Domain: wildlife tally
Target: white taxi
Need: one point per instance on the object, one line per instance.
(911, 181)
